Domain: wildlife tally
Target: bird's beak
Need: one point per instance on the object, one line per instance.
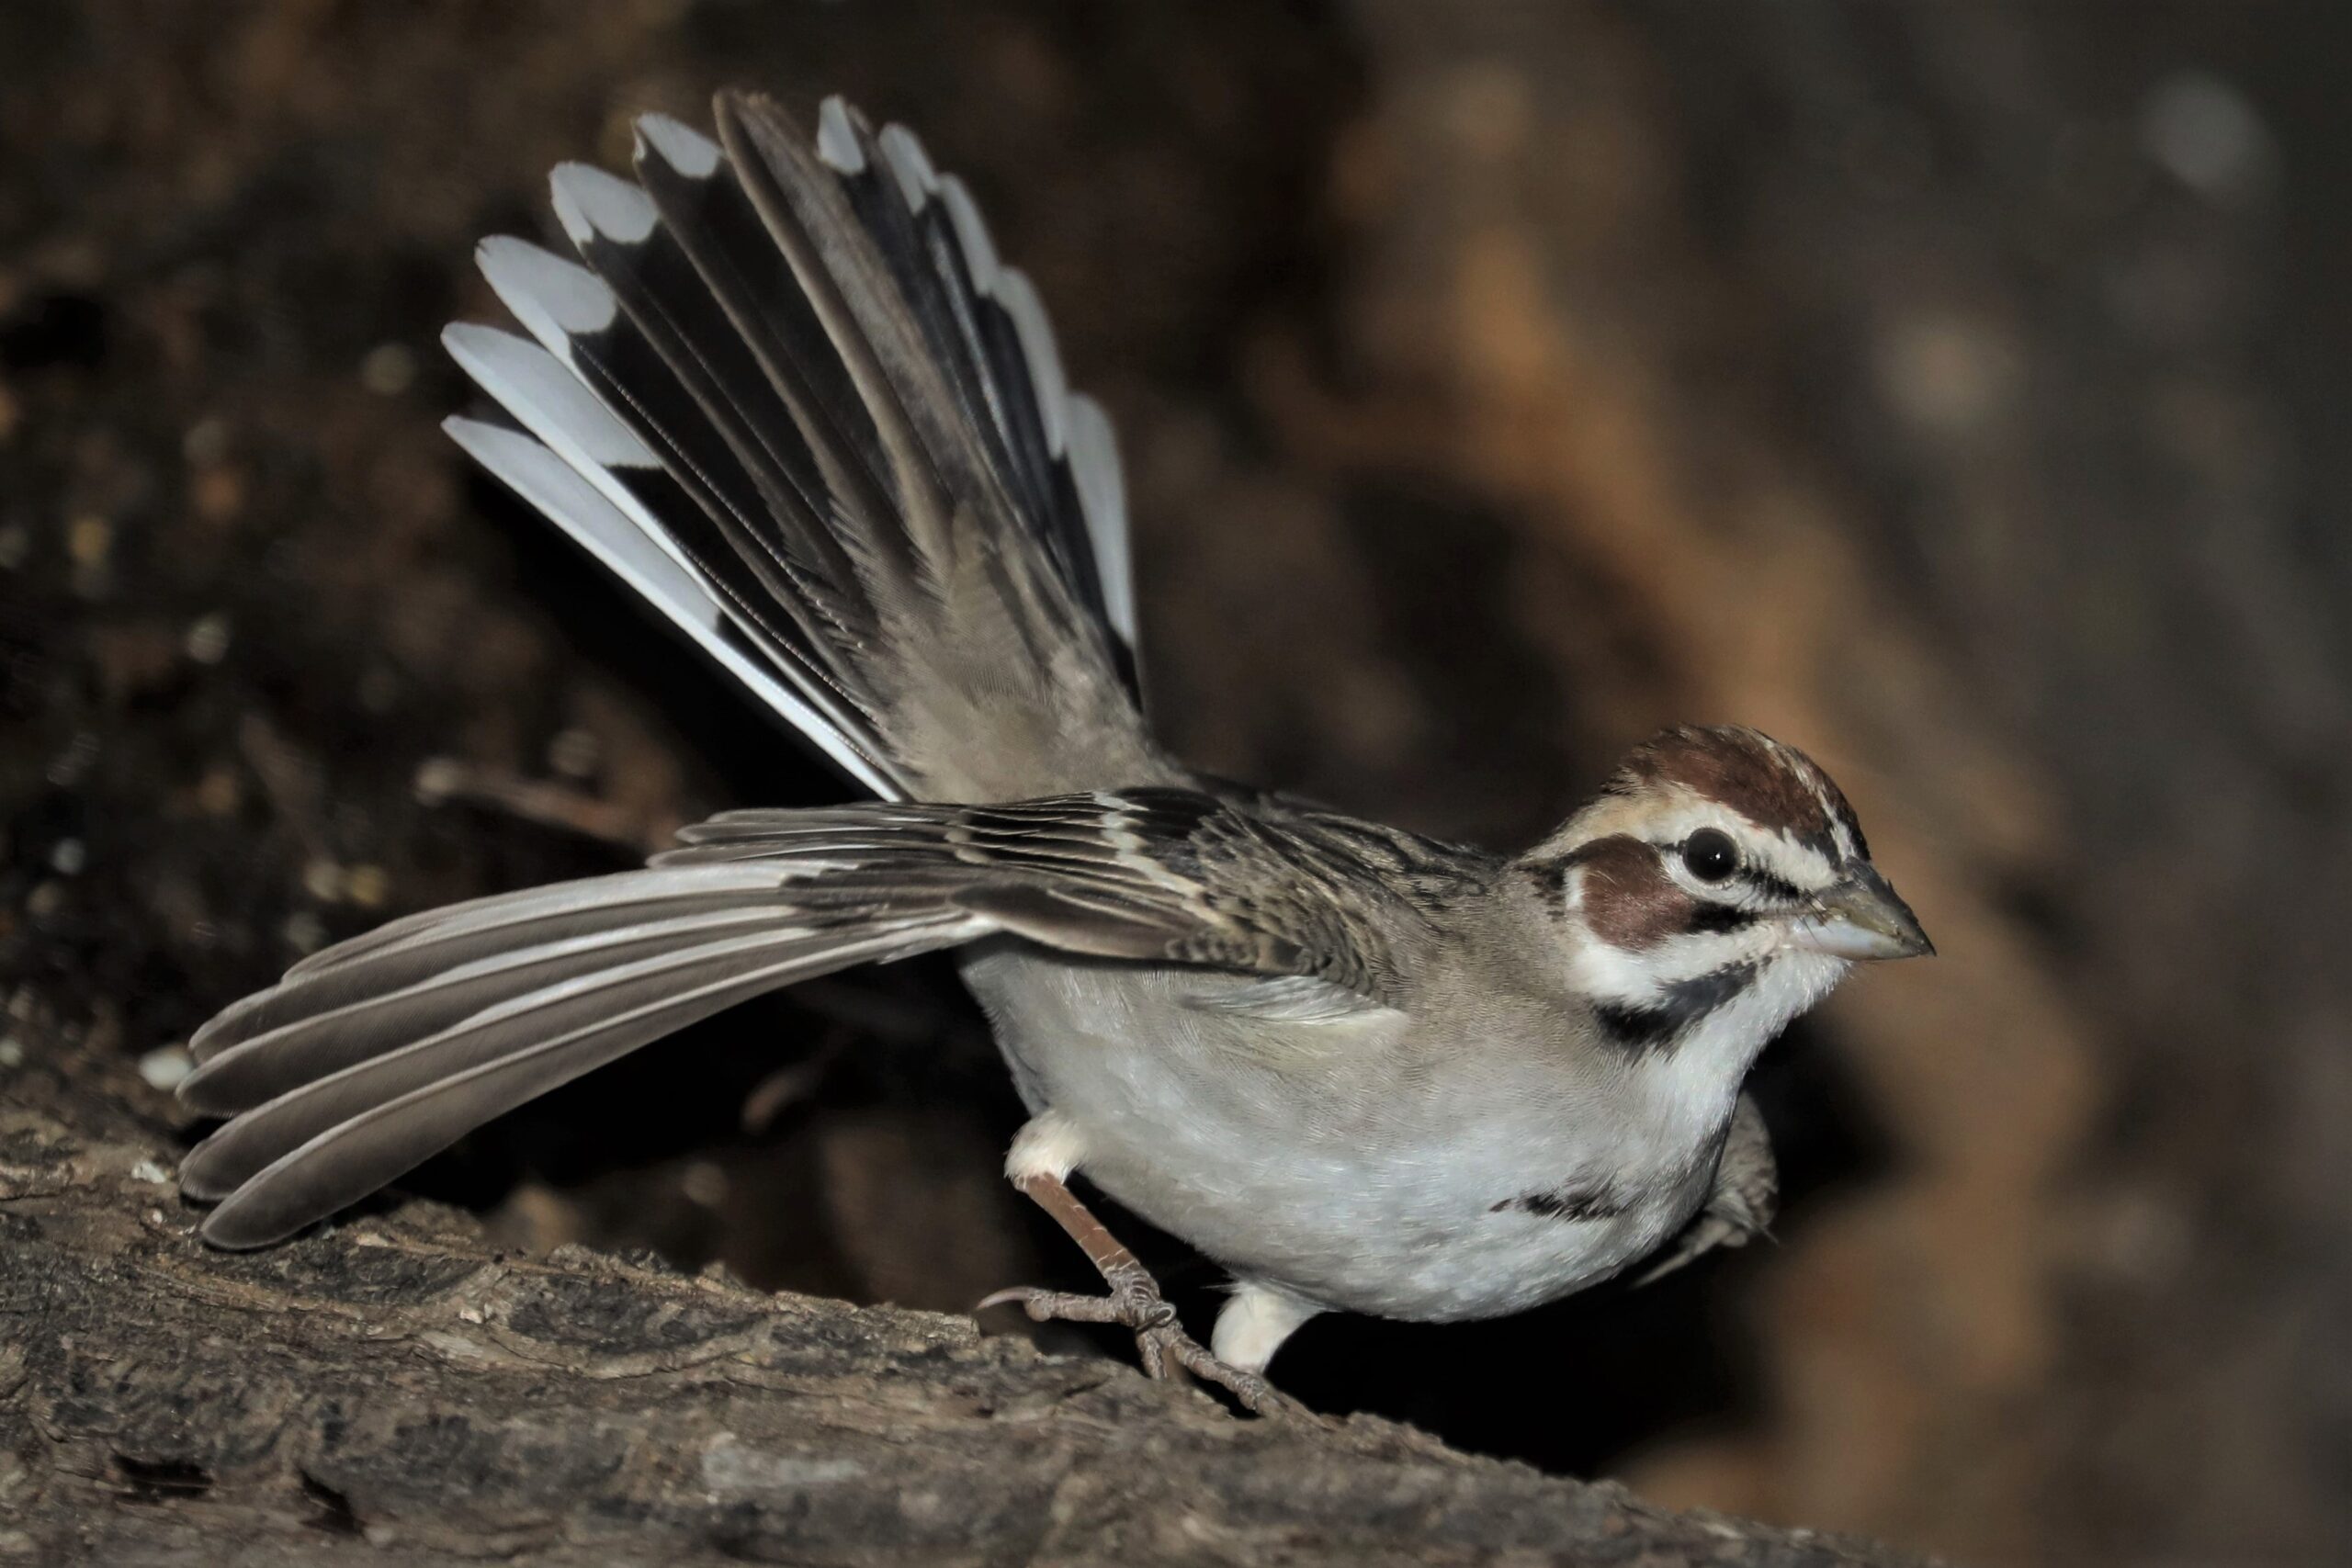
(1862, 918)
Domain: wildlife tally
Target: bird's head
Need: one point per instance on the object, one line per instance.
(1716, 865)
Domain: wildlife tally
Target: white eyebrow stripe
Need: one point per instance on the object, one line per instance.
(1841, 833)
(1838, 829)
(1788, 858)
(1776, 850)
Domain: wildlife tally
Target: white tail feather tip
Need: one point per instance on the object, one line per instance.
(554, 298)
(681, 146)
(589, 202)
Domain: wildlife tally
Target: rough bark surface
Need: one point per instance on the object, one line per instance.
(394, 1390)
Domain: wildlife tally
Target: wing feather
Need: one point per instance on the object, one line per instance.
(369, 1057)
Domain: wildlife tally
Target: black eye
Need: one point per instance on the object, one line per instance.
(1710, 855)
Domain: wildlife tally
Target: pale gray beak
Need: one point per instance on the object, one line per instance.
(1862, 918)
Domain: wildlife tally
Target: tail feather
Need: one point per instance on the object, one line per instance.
(850, 425)
(980, 322)
(931, 456)
(796, 401)
(697, 496)
(646, 561)
(703, 208)
(780, 520)
(638, 438)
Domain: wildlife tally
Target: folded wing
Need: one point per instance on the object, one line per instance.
(372, 1056)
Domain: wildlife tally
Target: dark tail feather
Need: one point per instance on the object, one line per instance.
(846, 422)
(692, 485)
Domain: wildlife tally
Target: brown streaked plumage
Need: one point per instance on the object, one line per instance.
(1773, 785)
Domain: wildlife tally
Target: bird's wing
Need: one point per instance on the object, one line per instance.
(374, 1055)
(1165, 874)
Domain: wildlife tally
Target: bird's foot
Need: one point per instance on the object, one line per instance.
(1707, 1232)
(1165, 1350)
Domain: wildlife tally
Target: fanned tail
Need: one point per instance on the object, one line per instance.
(795, 401)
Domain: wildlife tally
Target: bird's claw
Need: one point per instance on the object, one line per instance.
(1707, 1232)
(1166, 1352)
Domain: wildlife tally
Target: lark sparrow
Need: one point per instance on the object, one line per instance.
(794, 400)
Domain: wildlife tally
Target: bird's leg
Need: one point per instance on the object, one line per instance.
(1134, 1303)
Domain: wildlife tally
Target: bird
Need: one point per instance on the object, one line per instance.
(790, 394)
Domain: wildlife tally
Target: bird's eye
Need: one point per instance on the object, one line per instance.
(1710, 855)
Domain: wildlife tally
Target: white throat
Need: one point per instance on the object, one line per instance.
(1696, 1080)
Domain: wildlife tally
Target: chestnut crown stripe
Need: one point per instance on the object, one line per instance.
(1772, 786)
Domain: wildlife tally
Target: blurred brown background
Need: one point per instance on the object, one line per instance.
(1959, 392)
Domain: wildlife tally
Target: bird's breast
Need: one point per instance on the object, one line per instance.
(1353, 1160)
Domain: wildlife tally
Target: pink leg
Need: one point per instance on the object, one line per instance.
(1134, 1303)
